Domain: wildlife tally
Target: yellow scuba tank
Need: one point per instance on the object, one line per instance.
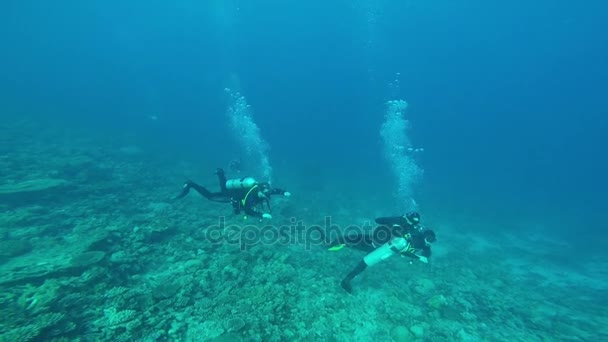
(240, 183)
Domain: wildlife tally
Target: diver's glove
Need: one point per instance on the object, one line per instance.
(423, 259)
(267, 216)
(287, 194)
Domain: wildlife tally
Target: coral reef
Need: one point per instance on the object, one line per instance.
(31, 186)
(109, 262)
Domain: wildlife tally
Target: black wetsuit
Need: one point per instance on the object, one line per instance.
(388, 229)
(246, 200)
(391, 228)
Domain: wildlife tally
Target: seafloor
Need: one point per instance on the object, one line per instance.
(92, 249)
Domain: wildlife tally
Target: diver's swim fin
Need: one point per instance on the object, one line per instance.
(336, 247)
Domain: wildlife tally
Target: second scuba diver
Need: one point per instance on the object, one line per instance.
(400, 235)
(245, 194)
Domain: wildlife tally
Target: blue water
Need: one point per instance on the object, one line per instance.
(508, 99)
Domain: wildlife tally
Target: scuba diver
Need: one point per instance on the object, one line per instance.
(401, 235)
(245, 194)
(389, 228)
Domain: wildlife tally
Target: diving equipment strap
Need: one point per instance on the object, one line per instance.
(244, 200)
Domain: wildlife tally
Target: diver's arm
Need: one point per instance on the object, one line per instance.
(421, 257)
(426, 251)
(250, 211)
(277, 191)
(410, 255)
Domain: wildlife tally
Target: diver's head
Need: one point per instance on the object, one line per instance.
(412, 218)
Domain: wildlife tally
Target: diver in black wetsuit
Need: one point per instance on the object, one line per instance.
(397, 235)
(245, 194)
(389, 228)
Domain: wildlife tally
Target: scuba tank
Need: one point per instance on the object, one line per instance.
(240, 183)
(395, 246)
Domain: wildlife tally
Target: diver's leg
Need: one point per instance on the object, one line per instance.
(338, 243)
(214, 196)
(361, 266)
(221, 178)
(185, 190)
(360, 241)
(200, 189)
(366, 243)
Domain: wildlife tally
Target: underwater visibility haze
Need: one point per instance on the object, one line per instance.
(389, 170)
